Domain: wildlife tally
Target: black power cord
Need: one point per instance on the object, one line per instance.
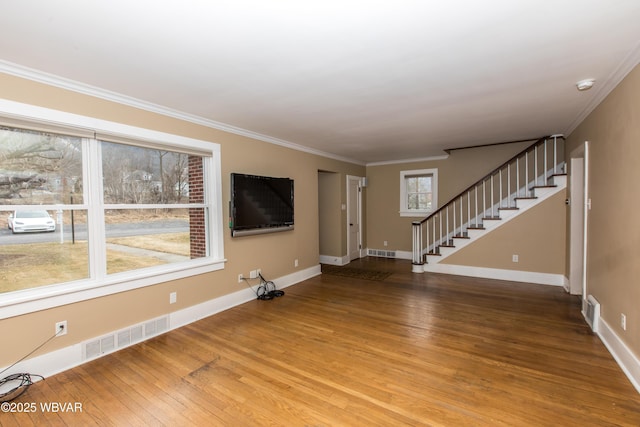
(23, 380)
(266, 289)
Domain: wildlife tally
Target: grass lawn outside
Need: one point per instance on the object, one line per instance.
(40, 264)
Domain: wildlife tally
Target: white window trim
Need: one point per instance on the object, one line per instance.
(404, 210)
(44, 297)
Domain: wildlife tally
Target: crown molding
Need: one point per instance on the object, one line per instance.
(602, 91)
(414, 160)
(38, 76)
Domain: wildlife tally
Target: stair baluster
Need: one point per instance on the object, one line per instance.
(435, 231)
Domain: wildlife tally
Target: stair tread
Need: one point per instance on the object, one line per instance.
(512, 205)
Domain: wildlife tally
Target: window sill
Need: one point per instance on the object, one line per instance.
(416, 214)
(45, 297)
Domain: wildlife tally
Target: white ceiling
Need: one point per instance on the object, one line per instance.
(370, 81)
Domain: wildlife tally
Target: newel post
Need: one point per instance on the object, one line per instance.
(417, 261)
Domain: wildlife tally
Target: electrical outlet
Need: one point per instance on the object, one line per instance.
(295, 263)
(623, 321)
(253, 274)
(515, 258)
(385, 243)
(240, 278)
(173, 297)
(259, 271)
(61, 328)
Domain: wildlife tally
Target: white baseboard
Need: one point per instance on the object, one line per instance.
(625, 358)
(69, 357)
(334, 260)
(404, 255)
(496, 273)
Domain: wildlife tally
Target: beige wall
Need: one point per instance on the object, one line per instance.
(461, 169)
(273, 253)
(613, 254)
(330, 214)
(537, 236)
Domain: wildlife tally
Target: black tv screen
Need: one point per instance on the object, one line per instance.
(260, 204)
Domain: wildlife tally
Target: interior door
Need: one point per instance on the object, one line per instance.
(353, 217)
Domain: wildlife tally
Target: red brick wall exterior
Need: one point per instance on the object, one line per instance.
(196, 215)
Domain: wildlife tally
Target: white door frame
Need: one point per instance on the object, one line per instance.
(580, 204)
(351, 179)
(576, 221)
(587, 207)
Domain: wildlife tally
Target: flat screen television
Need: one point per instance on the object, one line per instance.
(260, 204)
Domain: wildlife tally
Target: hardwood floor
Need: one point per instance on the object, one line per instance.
(341, 351)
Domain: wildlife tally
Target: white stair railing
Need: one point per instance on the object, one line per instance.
(483, 200)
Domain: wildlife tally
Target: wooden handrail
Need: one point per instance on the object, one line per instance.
(469, 188)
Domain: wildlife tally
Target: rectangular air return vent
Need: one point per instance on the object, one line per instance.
(123, 338)
(381, 253)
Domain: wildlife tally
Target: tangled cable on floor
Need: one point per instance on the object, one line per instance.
(266, 289)
(23, 379)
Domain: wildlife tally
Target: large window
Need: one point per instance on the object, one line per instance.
(418, 192)
(98, 210)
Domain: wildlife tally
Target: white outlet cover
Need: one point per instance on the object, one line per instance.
(64, 331)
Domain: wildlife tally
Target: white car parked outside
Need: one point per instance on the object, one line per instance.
(30, 221)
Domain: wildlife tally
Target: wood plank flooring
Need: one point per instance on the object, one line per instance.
(340, 351)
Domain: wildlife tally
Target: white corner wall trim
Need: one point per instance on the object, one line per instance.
(69, 357)
(625, 358)
(496, 273)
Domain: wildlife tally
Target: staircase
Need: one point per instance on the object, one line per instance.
(522, 182)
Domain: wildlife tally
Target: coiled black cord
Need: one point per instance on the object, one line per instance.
(266, 289)
(23, 379)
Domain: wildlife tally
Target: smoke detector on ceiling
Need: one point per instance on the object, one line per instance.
(585, 84)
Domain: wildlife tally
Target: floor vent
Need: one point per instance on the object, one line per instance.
(592, 313)
(123, 338)
(381, 253)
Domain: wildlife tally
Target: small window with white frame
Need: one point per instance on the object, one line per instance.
(418, 192)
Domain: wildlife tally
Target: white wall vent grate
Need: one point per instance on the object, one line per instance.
(123, 338)
(381, 253)
(592, 313)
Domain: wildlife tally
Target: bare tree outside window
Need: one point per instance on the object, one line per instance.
(419, 192)
(39, 168)
(142, 175)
